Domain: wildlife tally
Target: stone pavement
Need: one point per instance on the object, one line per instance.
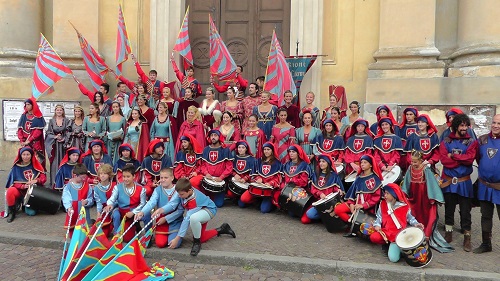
(36, 263)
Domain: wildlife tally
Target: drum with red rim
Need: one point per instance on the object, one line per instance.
(259, 189)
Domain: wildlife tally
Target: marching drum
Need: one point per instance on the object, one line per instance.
(260, 190)
(393, 176)
(340, 171)
(42, 199)
(362, 224)
(325, 209)
(213, 186)
(295, 200)
(414, 247)
(349, 179)
(236, 187)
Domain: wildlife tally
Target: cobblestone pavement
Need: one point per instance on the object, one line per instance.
(34, 263)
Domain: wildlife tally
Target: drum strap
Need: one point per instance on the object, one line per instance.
(390, 211)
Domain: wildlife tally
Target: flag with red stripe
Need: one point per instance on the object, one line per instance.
(123, 48)
(94, 64)
(182, 44)
(49, 68)
(221, 62)
(278, 76)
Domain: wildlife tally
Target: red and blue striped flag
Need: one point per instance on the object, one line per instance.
(221, 62)
(123, 48)
(278, 76)
(182, 44)
(94, 64)
(49, 68)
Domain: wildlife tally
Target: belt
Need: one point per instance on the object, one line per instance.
(494, 185)
(452, 180)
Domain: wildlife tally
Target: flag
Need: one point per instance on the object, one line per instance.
(49, 68)
(221, 62)
(299, 65)
(129, 264)
(123, 48)
(182, 44)
(88, 255)
(77, 239)
(94, 64)
(278, 76)
(146, 239)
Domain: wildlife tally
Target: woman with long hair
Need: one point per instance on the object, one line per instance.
(254, 136)
(184, 105)
(229, 131)
(104, 109)
(57, 134)
(266, 113)
(336, 117)
(330, 142)
(355, 109)
(306, 135)
(234, 106)
(172, 108)
(137, 133)
(94, 126)
(310, 107)
(116, 130)
(192, 126)
(162, 129)
(210, 110)
(283, 135)
(146, 111)
(76, 136)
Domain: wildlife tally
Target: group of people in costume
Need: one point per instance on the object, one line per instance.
(148, 149)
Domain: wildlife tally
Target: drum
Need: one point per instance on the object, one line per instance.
(295, 200)
(414, 247)
(325, 209)
(393, 176)
(260, 190)
(42, 199)
(362, 224)
(237, 187)
(348, 180)
(213, 186)
(340, 171)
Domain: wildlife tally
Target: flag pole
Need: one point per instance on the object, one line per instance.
(65, 246)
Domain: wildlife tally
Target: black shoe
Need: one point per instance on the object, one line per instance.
(385, 248)
(225, 229)
(483, 248)
(12, 214)
(196, 247)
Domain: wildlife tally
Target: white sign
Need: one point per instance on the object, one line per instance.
(13, 109)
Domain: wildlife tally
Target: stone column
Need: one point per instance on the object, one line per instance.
(20, 27)
(166, 19)
(306, 26)
(478, 40)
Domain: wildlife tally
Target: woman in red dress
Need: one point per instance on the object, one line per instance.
(254, 136)
(282, 135)
(146, 111)
(192, 126)
(229, 131)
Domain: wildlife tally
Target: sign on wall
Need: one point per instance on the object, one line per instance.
(13, 109)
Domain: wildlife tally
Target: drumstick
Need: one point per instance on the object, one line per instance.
(384, 173)
(353, 214)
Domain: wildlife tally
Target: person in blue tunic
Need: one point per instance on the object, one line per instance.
(65, 172)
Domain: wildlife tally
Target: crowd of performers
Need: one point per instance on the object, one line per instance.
(148, 150)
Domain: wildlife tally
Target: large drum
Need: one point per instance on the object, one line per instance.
(237, 187)
(340, 171)
(414, 247)
(295, 200)
(349, 179)
(213, 186)
(393, 176)
(260, 190)
(362, 224)
(325, 209)
(42, 199)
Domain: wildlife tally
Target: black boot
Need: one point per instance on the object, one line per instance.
(486, 245)
(196, 247)
(12, 214)
(225, 229)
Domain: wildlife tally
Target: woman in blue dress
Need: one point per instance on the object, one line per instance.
(162, 129)
(266, 114)
(306, 135)
(115, 132)
(94, 125)
(137, 133)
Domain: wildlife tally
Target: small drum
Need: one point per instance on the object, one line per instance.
(236, 187)
(260, 190)
(414, 247)
(213, 186)
(393, 176)
(42, 199)
(340, 171)
(362, 224)
(348, 180)
(295, 200)
(325, 209)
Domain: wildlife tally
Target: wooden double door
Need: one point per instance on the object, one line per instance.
(246, 26)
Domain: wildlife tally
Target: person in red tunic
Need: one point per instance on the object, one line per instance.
(254, 136)
(249, 102)
(230, 132)
(358, 144)
(192, 126)
(188, 80)
(153, 86)
(393, 215)
(282, 135)
(239, 82)
(103, 89)
(291, 109)
(387, 146)
(30, 129)
(184, 105)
